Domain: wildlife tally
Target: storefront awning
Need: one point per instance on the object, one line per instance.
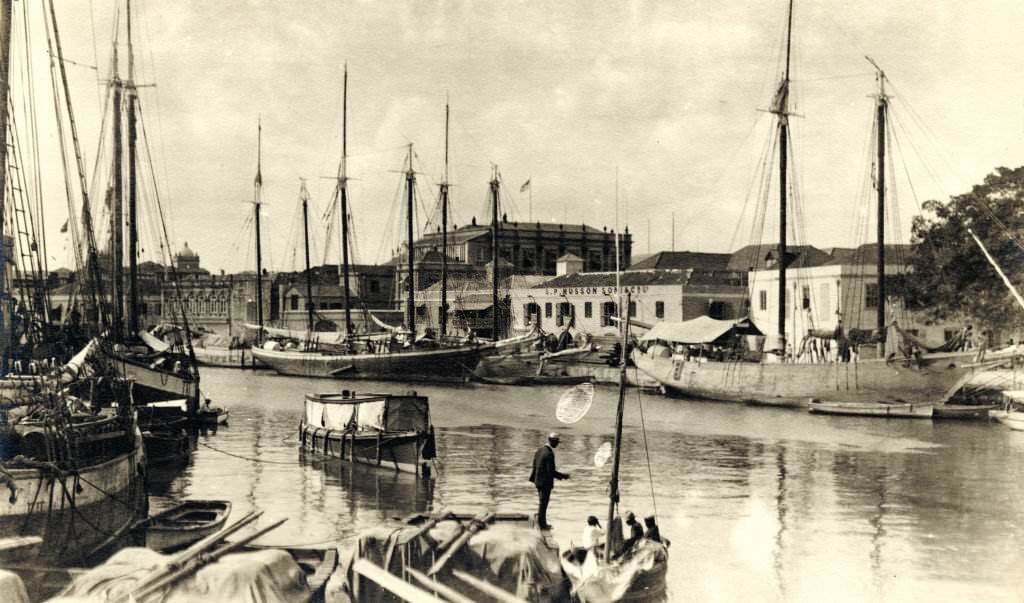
(470, 306)
(702, 329)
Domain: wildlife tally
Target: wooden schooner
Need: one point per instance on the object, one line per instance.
(929, 377)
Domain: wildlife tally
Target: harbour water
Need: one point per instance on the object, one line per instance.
(761, 504)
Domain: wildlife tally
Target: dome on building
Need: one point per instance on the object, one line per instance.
(187, 253)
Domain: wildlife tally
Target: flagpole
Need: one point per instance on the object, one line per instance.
(530, 180)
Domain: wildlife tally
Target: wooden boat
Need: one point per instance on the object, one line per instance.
(963, 411)
(1014, 419)
(872, 409)
(388, 431)
(927, 377)
(225, 357)
(637, 573)
(79, 500)
(212, 569)
(792, 384)
(166, 446)
(185, 523)
(461, 557)
(1011, 414)
(212, 415)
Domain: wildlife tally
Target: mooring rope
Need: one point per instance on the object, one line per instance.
(647, 451)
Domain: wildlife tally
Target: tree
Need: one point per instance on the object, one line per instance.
(951, 277)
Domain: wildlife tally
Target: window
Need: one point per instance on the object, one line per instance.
(529, 259)
(594, 262)
(547, 310)
(565, 309)
(762, 299)
(588, 309)
(659, 309)
(374, 286)
(717, 309)
(806, 298)
(632, 309)
(295, 302)
(871, 295)
(528, 311)
(608, 310)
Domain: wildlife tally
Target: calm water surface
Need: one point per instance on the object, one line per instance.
(761, 504)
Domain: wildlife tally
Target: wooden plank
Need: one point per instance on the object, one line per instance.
(476, 524)
(487, 588)
(393, 584)
(446, 591)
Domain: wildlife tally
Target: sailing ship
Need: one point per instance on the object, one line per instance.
(400, 355)
(612, 574)
(72, 466)
(159, 372)
(383, 430)
(773, 378)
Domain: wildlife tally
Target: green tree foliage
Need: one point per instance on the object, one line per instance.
(951, 276)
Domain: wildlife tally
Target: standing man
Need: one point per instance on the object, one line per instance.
(543, 476)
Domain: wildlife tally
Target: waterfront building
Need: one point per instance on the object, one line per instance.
(825, 287)
(696, 284)
(371, 288)
(530, 247)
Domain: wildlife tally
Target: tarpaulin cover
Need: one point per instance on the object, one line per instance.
(407, 414)
(264, 576)
(12, 589)
(514, 558)
(702, 329)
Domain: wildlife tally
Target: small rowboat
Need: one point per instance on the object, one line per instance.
(1011, 415)
(186, 523)
(963, 411)
(212, 415)
(873, 409)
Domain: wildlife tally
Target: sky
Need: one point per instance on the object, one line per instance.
(666, 97)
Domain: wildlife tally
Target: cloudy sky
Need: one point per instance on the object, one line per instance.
(668, 93)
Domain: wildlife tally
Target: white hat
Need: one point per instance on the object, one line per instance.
(554, 436)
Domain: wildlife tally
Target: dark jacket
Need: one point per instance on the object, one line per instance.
(544, 473)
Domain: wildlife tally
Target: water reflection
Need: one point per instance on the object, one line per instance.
(760, 503)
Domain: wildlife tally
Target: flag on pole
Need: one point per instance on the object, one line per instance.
(525, 186)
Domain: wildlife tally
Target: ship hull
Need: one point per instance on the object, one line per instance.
(225, 357)
(76, 512)
(795, 384)
(446, 365)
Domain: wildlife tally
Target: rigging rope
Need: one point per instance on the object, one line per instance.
(647, 451)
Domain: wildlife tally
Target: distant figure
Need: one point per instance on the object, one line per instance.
(652, 532)
(593, 535)
(635, 533)
(543, 477)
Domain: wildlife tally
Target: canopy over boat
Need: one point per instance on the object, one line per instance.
(378, 413)
(702, 329)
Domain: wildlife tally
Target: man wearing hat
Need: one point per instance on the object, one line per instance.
(543, 476)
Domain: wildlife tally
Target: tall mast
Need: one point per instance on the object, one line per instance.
(257, 190)
(780, 107)
(495, 186)
(117, 213)
(343, 197)
(410, 304)
(613, 485)
(133, 224)
(882, 109)
(5, 85)
(304, 194)
(443, 319)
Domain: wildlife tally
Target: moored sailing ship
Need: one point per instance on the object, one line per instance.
(771, 375)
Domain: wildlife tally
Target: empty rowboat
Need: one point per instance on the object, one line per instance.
(185, 523)
(873, 409)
